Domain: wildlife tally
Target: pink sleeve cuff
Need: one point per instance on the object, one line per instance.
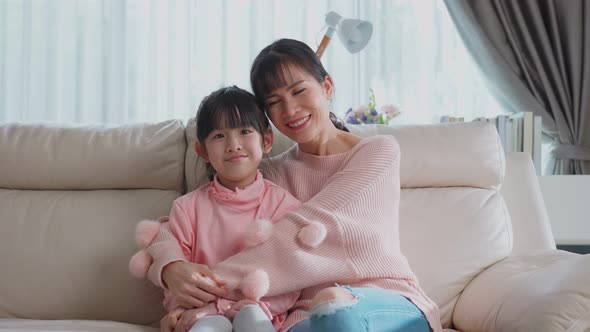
(165, 257)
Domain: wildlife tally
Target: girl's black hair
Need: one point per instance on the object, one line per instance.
(229, 107)
(272, 64)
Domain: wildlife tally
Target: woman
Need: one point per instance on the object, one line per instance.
(350, 188)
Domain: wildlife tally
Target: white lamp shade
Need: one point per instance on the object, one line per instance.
(354, 34)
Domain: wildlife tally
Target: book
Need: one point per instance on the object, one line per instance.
(537, 143)
(509, 146)
(501, 127)
(527, 133)
(519, 132)
(446, 119)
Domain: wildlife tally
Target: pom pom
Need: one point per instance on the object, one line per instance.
(255, 285)
(140, 264)
(145, 232)
(259, 233)
(313, 234)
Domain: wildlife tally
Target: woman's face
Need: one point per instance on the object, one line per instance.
(300, 109)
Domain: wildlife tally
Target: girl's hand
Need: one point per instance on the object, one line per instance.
(192, 285)
(168, 322)
(236, 307)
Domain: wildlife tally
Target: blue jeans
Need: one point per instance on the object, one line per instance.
(373, 310)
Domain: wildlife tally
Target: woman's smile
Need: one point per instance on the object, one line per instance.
(299, 123)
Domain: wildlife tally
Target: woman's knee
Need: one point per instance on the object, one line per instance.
(331, 294)
(334, 309)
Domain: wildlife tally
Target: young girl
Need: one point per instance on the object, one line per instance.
(211, 223)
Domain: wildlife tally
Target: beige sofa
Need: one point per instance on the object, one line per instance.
(477, 237)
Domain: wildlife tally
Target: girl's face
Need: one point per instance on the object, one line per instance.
(235, 154)
(300, 109)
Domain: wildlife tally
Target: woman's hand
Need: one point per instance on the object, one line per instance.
(232, 312)
(192, 285)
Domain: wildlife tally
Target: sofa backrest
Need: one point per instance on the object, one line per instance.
(521, 191)
(70, 197)
(453, 221)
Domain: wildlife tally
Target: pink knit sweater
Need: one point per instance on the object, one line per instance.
(355, 195)
(210, 224)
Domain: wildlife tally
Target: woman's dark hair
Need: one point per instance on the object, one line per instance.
(272, 63)
(229, 107)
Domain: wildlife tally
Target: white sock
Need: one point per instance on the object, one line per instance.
(216, 323)
(251, 318)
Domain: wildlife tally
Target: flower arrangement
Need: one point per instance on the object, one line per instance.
(368, 114)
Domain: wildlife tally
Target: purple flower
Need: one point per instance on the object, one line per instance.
(351, 120)
(361, 110)
(368, 114)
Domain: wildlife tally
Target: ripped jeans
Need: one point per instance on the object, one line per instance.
(372, 310)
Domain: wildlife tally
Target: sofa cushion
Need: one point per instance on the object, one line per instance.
(65, 235)
(446, 155)
(530, 222)
(50, 156)
(16, 325)
(64, 254)
(545, 290)
(450, 235)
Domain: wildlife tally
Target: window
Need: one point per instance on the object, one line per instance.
(117, 61)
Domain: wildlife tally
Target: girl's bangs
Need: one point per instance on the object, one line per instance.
(237, 113)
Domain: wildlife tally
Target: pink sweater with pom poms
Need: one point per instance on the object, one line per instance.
(355, 196)
(212, 223)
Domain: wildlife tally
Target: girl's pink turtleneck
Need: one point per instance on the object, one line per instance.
(210, 224)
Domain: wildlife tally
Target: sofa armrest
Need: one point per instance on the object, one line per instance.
(542, 291)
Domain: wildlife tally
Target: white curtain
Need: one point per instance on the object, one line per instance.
(114, 61)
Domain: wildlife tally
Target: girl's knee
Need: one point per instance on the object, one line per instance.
(332, 294)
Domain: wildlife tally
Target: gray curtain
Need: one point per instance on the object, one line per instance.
(535, 55)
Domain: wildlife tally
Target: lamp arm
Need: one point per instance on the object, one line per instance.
(325, 41)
